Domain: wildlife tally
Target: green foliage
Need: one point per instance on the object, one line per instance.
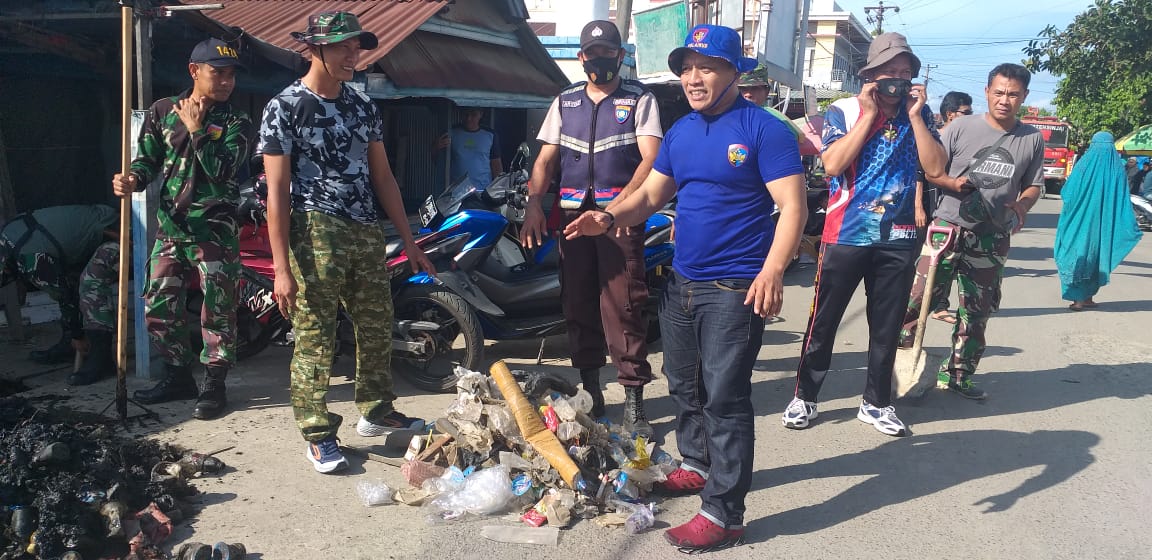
(1105, 64)
(824, 103)
(1044, 112)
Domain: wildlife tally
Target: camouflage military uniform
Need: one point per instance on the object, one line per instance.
(197, 225)
(336, 242)
(977, 260)
(98, 288)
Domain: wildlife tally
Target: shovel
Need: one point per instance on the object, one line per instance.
(908, 373)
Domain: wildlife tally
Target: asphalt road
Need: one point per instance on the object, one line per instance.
(1054, 464)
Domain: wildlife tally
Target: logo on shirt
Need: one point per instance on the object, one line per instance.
(570, 103)
(902, 231)
(995, 171)
(214, 131)
(622, 112)
(737, 154)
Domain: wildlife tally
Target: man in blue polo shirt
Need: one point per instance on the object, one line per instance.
(729, 162)
(873, 145)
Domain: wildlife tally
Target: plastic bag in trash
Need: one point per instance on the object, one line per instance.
(571, 431)
(485, 492)
(500, 420)
(373, 492)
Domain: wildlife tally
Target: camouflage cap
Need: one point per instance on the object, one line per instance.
(334, 27)
(757, 77)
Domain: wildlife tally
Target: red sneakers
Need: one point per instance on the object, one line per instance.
(702, 535)
(682, 482)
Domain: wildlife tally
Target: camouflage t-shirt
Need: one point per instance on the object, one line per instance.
(327, 141)
(199, 196)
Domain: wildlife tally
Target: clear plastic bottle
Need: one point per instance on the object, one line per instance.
(641, 519)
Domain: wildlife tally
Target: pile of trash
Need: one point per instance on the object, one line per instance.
(524, 442)
(70, 487)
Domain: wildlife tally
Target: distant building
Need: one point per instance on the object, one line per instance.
(837, 48)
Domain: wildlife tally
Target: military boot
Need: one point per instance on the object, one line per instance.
(99, 363)
(635, 422)
(59, 353)
(212, 399)
(177, 385)
(590, 380)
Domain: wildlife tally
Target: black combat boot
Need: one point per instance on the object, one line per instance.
(59, 353)
(99, 363)
(635, 422)
(177, 385)
(590, 380)
(212, 399)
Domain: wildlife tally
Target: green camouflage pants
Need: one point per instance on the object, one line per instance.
(336, 261)
(98, 284)
(45, 273)
(977, 260)
(172, 265)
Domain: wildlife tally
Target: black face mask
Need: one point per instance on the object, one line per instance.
(602, 70)
(894, 87)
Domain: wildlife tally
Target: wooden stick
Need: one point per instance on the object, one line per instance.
(125, 209)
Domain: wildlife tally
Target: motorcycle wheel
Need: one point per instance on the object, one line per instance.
(459, 341)
(251, 337)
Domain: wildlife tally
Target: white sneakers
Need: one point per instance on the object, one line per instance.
(800, 414)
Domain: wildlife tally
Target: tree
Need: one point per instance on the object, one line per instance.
(1042, 112)
(1105, 67)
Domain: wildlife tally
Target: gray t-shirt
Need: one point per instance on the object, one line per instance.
(1015, 165)
(79, 229)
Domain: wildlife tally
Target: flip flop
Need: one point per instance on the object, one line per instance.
(1075, 307)
(944, 316)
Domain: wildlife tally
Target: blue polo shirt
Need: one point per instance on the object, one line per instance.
(721, 164)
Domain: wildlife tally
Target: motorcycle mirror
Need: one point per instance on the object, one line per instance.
(523, 150)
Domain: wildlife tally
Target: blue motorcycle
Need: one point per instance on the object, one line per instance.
(514, 292)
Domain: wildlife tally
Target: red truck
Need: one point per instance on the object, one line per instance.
(1058, 158)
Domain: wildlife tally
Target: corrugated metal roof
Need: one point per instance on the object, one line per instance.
(430, 60)
(273, 20)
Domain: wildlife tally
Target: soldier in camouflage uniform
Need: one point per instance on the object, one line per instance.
(46, 249)
(98, 283)
(199, 142)
(993, 178)
(327, 170)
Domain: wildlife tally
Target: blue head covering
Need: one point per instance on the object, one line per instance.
(716, 41)
(1097, 228)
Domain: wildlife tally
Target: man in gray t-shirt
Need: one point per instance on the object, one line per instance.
(994, 178)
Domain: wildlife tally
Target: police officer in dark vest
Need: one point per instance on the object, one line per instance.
(600, 138)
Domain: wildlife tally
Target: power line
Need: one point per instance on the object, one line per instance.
(878, 19)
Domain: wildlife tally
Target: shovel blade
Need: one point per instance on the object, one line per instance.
(908, 375)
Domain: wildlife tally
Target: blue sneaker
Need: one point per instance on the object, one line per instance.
(325, 455)
(393, 421)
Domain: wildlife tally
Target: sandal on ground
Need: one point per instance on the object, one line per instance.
(945, 316)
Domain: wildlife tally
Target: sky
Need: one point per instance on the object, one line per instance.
(965, 39)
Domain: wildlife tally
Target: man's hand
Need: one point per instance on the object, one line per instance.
(443, 141)
(919, 96)
(418, 260)
(956, 184)
(921, 217)
(191, 113)
(123, 185)
(284, 292)
(766, 294)
(1021, 210)
(592, 222)
(532, 233)
(867, 99)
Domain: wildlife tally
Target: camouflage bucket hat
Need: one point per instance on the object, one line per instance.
(757, 77)
(333, 27)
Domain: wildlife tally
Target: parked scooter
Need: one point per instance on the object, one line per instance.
(432, 328)
(518, 290)
(1142, 207)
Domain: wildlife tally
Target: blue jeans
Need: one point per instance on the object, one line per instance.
(710, 341)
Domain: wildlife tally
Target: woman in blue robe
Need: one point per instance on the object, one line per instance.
(1097, 228)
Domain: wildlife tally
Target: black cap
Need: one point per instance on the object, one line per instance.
(600, 32)
(217, 53)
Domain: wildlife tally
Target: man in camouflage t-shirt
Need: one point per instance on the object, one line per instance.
(198, 141)
(327, 169)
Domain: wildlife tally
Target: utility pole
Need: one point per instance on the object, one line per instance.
(928, 71)
(878, 19)
(624, 18)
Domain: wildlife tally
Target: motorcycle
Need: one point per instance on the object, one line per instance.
(432, 328)
(1142, 207)
(516, 291)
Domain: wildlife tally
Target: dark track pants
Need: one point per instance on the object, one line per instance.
(887, 274)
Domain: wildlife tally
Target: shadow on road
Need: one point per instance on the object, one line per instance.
(910, 468)
(1105, 307)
